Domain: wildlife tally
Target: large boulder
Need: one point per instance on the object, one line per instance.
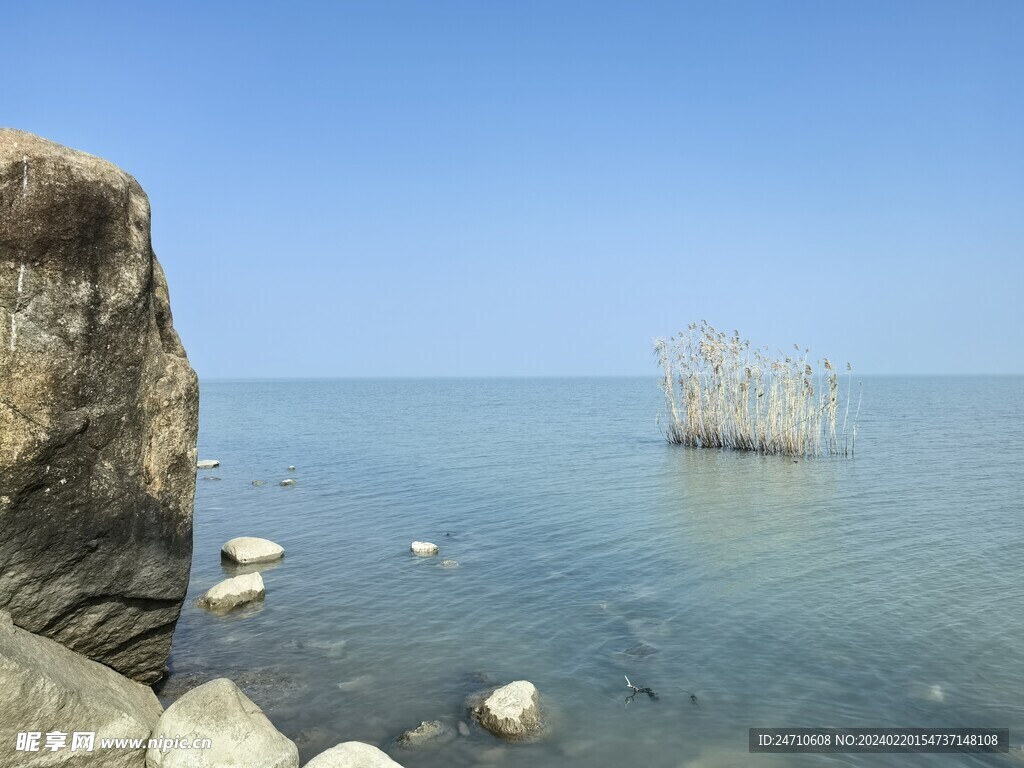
(239, 733)
(352, 754)
(98, 412)
(45, 688)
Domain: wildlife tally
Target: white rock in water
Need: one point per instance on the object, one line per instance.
(352, 754)
(249, 549)
(291, 468)
(207, 464)
(231, 593)
(241, 734)
(424, 548)
(288, 481)
(512, 711)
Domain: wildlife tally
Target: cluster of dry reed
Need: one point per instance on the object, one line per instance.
(722, 394)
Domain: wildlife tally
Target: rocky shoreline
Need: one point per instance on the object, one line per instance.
(98, 427)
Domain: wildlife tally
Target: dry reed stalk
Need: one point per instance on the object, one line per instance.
(720, 394)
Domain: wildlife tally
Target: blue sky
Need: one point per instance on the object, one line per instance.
(537, 188)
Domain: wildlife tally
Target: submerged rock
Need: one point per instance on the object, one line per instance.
(449, 563)
(207, 464)
(249, 549)
(352, 754)
(429, 733)
(45, 687)
(424, 548)
(233, 592)
(287, 481)
(98, 412)
(240, 733)
(511, 712)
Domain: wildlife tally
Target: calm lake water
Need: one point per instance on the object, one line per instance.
(884, 590)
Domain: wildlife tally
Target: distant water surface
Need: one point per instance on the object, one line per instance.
(880, 591)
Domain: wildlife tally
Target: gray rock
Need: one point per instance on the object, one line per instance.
(98, 412)
(233, 592)
(291, 468)
(424, 548)
(45, 687)
(352, 754)
(511, 712)
(449, 563)
(463, 728)
(429, 733)
(249, 549)
(207, 464)
(288, 481)
(241, 734)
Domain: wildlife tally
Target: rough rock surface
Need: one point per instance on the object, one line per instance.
(424, 548)
(249, 549)
(511, 712)
(98, 412)
(44, 687)
(233, 592)
(352, 754)
(429, 733)
(241, 734)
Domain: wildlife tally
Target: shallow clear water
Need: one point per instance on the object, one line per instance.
(885, 590)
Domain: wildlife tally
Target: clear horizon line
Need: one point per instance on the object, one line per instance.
(426, 377)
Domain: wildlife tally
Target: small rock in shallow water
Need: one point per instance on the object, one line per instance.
(249, 549)
(257, 483)
(428, 733)
(210, 477)
(291, 468)
(231, 593)
(288, 481)
(511, 712)
(207, 464)
(424, 548)
(449, 563)
(463, 729)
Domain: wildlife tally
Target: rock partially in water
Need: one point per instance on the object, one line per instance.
(287, 481)
(207, 464)
(424, 548)
(449, 563)
(45, 687)
(249, 549)
(429, 733)
(352, 754)
(291, 468)
(239, 731)
(258, 483)
(510, 712)
(98, 412)
(233, 592)
(210, 477)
